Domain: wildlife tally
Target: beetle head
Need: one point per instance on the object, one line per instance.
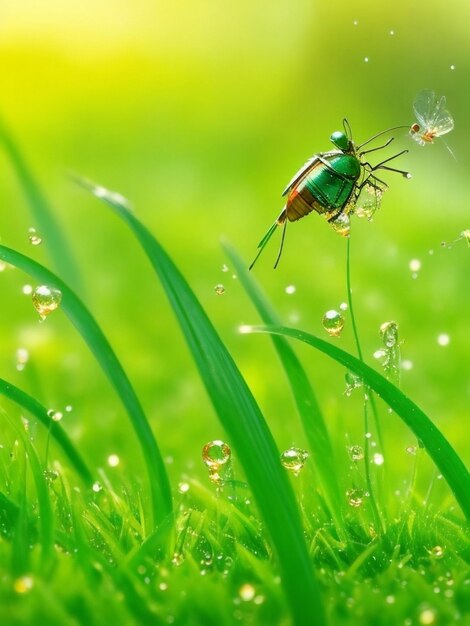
(341, 141)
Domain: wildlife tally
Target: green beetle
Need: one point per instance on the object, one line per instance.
(330, 183)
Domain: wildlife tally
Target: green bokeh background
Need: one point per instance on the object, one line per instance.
(199, 113)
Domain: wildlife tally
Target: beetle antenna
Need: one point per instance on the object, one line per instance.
(388, 130)
(387, 143)
(347, 129)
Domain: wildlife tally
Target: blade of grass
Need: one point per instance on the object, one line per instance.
(31, 405)
(43, 216)
(100, 347)
(244, 423)
(437, 446)
(307, 405)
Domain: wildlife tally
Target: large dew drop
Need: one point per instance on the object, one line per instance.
(333, 323)
(355, 497)
(216, 455)
(294, 459)
(389, 334)
(46, 299)
(342, 225)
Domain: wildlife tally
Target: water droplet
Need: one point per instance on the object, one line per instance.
(50, 475)
(368, 435)
(69, 408)
(355, 497)
(247, 592)
(225, 268)
(113, 460)
(97, 487)
(183, 487)
(366, 59)
(219, 290)
(27, 290)
(216, 454)
(452, 67)
(293, 459)
(342, 225)
(45, 300)
(443, 339)
(369, 200)
(407, 365)
(163, 586)
(245, 329)
(411, 450)
(427, 616)
(392, 32)
(415, 265)
(290, 289)
(356, 453)
(389, 334)
(333, 323)
(22, 357)
(437, 552)
(378, 459)
(379, 354)
(343, 306)
(55, 416)
(353, 381)
(23, 584)
(390, 599)
(34, 238)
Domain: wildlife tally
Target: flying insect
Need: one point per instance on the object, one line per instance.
(434, 120)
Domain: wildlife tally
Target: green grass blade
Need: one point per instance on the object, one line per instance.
(43, 216)
(31, 405)
(245, 425)
(307, 405)
(437, 446)
(92, 334)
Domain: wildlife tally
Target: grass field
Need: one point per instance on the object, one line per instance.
(198, 114)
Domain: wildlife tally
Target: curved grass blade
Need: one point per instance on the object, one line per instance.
(100, 347)
(307, 405)
(437, 446)
(244, 423)
(43, 215)
(31, 405)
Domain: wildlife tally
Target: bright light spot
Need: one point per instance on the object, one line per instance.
(415, 265)
(390, 599)
(244, 329)
(247, 592)
(290, 289)
(452, 67)
(378, 459)
(113, 460)
(443, 339)
(183, 487)
(407, 365)
(23, 584)
(392, 32)
(27, 290)
(97, 487)
(366, 59)
(427, 616)
(343, 306)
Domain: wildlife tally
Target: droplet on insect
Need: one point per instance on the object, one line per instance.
(427, 616)
(443, 339)
(290, 289)
(216, 454)
(22, 357)
(369, 200)
(353, 381)
(219, 290)
(293, 459)
(55, 416)
(415, 265)
(333, 323)
(34, 238)
(113, 460)
(247, 592)
(225, 268)
(437, 552)
(355, 497)
(378, 459)
(389, 334)
(356, 453)
(46, 299)
(23, 584)
(342, 225)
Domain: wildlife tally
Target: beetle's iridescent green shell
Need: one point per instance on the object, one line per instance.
(326, 187)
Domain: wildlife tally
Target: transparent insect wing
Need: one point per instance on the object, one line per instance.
(424, 107)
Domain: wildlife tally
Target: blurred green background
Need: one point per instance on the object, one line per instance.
(199, 112)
